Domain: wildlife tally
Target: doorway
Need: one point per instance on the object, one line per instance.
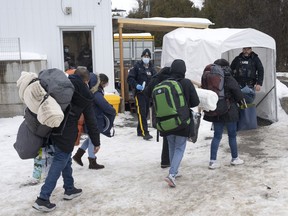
(77, 49)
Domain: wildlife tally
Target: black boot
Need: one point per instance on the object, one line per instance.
(93, 164)
(77, 157)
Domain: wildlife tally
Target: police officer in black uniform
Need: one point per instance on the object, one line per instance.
(139, 76)
(248, 70)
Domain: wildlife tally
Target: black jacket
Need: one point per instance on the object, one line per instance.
(177, 72)
(156, 79)
(233, 92)
(138, 74)
(82, 102)
(192, 100)
(248, 70)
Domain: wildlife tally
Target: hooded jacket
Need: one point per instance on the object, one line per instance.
(234, 94)
(82, 102)
(178, 70)
(163, 74)
(100, 104)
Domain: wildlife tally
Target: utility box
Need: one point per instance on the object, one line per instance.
(114, 100)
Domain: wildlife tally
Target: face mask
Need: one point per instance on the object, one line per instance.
(66, 50)
(145, 60)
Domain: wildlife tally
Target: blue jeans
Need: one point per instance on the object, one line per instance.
(249, 94)
(218, 131)
(61, 164)
(177, 145)
(87, 144)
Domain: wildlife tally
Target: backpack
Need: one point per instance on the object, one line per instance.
(213, 79)
(58, 85)
(171, 110)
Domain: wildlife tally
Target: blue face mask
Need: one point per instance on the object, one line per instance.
(145, 60)
(66, 50)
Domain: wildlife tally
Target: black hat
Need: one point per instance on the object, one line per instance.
(221, 62)
(146, 52)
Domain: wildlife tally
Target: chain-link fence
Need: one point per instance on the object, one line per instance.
(9, 52)
(10, 67)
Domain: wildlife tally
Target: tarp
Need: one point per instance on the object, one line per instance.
(200, 47)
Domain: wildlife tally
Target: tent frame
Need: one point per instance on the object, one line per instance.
(149, 25)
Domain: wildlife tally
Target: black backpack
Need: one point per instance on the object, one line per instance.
(171, 109)
(213, 79)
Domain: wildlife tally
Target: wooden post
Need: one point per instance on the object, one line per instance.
(122, 77)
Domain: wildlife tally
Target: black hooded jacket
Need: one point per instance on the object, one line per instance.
(234, 94)
(178, 70)
(82, 102)
(163, 74)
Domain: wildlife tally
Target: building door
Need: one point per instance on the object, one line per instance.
(77, 49)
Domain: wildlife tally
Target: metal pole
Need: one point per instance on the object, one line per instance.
(19, 48)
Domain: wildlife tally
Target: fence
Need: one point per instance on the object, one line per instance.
(10, 67)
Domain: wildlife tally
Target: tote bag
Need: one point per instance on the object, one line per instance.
(247, 117)
(194, 126)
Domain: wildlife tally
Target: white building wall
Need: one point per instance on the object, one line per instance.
(38, 24)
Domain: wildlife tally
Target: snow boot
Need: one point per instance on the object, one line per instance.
(77, 157)
(93, 164)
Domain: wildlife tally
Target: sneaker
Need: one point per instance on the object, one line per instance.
(170, 180)
(178, 175)
(71, 194)
(43, 205)
(147, 136)
(213, 165)
(236, 161)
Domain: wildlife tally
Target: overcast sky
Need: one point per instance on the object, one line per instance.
(129, 4)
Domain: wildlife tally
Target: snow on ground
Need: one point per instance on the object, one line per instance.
(132, 182)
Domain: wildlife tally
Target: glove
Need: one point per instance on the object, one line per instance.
(139, 87)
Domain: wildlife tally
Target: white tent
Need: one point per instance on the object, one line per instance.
(200, 47)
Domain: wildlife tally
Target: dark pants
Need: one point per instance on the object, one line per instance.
(142, 105)
(165, 152)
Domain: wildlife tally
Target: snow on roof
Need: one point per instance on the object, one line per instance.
(11, 56)
(185, 20)
(133, 34)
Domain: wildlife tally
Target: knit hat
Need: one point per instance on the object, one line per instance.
(221, 62)
(146, 52)
(178, 68)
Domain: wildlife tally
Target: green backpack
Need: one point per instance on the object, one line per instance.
(171, 110)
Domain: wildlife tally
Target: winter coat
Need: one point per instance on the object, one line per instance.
(248, 70)
(85, 59)
(138, 74)
(234, 94)
(177, 72)
(82, 102)
(163, 74)
(100, 104)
